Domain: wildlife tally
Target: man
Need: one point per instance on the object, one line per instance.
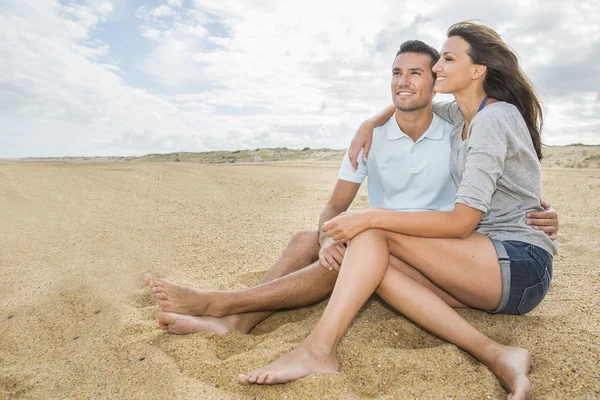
(408, 169)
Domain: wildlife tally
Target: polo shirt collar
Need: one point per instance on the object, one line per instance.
(394, 132)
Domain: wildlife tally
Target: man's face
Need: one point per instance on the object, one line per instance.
(412, 81)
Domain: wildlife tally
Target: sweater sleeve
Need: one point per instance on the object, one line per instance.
(487, 150)
(447, 111)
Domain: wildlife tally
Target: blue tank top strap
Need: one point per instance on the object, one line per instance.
(483, 103)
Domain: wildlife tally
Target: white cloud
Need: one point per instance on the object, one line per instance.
(230, 74)
(49, 76)
(175, 3)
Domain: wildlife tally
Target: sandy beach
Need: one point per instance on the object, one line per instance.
(78, 322)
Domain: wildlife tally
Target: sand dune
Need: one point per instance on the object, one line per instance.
(75, 239)
(572, 156)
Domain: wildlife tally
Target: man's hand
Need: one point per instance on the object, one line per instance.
(346, 225)
(332, 254)
(545, 221)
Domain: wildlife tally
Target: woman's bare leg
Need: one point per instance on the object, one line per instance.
(360, 274)
(404, 268)
(466, 269)
(428, 310)
(461, 265)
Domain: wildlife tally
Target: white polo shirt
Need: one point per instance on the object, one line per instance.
(406, 175)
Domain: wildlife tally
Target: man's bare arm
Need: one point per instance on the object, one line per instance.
(332, 252)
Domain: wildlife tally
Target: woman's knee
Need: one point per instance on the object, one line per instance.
(371, 234)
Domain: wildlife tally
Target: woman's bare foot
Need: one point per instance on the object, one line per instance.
(182, 299)
(178, 324)
(296, 364)
(511, 366)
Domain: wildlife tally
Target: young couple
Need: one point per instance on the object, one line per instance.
(455, 219)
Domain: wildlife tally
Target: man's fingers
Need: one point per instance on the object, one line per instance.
(545, 204)
(542, 222)
(328, 262)
(332, 262)
(324, 262)
(546, 229)
(549, 214)
(553, 236)
(341, 250)
(337, 255)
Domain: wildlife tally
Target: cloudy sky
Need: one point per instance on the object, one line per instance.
(130, 77)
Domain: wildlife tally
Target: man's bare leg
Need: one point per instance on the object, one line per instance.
(298, 289)
(302, 288)
(176, 300)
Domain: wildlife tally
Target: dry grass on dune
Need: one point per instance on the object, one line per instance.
(572, 156)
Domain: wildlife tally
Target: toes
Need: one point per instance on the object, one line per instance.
(252, 377)
(165, 318)
(164, 305)
(158, 282)
(161, 296)
(262, 378)
(270, 379)
(158, 289)
(147, 279)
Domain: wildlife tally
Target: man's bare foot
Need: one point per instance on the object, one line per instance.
(296, 364)
(511, 366)
(182, 299)
(178, 324)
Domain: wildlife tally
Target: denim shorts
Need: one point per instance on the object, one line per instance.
(526, 274)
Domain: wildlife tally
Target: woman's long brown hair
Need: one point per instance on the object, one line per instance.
(504, 80)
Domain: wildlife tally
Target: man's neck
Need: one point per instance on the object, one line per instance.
(414, 123)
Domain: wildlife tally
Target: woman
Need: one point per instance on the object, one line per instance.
(480, 255)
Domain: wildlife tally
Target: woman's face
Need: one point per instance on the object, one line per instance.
(455, 70)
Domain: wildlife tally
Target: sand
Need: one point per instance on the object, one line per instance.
(77, 321)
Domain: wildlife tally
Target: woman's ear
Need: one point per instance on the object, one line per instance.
(479, 71)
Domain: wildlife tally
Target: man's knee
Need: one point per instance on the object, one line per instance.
(305, 238)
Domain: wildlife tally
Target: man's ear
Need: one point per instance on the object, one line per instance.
(479, 71)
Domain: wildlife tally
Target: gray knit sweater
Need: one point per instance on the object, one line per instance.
(497, 171)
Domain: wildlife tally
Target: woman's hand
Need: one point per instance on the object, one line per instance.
(362, 139)
(347, 225)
